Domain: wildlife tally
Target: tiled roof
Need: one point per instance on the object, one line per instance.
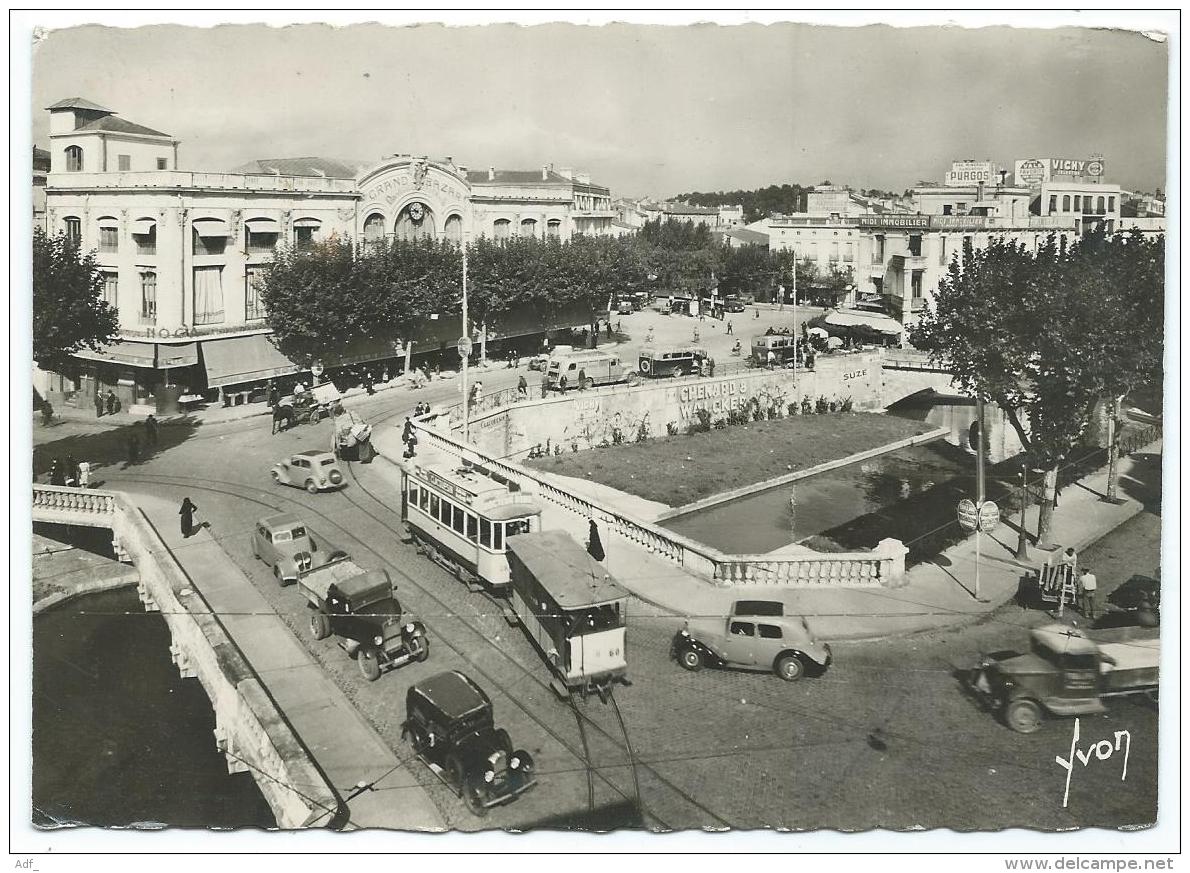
(328, 167)
(517, 177)
(683, 209)
(748, 236)
(78, 103)
(119, 125)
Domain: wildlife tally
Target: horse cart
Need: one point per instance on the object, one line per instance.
(351, 438)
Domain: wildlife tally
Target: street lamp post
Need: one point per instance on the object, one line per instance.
(465, 341)
(1022, 539)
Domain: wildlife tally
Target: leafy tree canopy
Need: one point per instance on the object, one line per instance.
(69, 312)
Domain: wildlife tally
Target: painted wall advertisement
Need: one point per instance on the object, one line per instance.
(1034, 171)
(972, 173)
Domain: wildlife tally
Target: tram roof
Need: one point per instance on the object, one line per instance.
(490, 496)
(564, 568)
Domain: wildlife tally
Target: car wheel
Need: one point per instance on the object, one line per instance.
(320, 626)
(474, 795)
(369, 663)
(455, 771)
(790, 668)
(424, 652)
(418, 739)
(691, 659)
(276, 478)
(277, 575)
(1023, 716)
(311, 486)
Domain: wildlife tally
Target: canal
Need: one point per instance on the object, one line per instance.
(118, 737)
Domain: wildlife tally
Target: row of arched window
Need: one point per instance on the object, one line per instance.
(502, 228)
(209, 235)
(1087, 204)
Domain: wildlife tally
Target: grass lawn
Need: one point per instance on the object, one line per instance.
(681, 469)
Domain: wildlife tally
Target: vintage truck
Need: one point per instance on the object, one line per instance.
(1067, 671)
(756, 635)
(361, 606)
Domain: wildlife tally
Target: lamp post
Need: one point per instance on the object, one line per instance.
(1022, 539)
(465, 341)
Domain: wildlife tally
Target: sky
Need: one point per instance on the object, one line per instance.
(647, 110)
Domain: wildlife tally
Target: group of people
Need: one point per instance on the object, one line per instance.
(70, 473)
(109, 404)
(1082, 580)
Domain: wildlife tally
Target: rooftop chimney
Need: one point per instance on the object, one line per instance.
(491, 174)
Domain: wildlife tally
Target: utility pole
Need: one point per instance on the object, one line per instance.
(1022, 539)
(465, 342)
(979, 489)
(796, 336)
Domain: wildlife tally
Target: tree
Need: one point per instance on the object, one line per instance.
(69, 312)
(1038, 333)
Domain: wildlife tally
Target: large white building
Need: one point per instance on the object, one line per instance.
(182, 251)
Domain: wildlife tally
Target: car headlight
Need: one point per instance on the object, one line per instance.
(515, 762)
(489, 775)
(684, 632)
(378, 640)
(409, 627)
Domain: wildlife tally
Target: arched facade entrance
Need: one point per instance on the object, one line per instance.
(415, 221)
(415, 199)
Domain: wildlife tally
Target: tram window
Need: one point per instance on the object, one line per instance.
(521, 525)
(434, 505)
(743, 628)
(485, 533)
(472, 527)
(425, 498)
(459, 521)
(413, 494)
(769, 632)
(444, 512)
(498, 537)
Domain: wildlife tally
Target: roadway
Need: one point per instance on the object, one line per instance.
(885, 739)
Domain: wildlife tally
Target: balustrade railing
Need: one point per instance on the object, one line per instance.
(73, 501)
(884, 565)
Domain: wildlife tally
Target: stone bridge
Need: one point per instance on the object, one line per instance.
(906, 372)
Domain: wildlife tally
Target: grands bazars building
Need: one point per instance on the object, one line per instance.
(182, 251)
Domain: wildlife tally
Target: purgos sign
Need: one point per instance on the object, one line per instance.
(972, 173)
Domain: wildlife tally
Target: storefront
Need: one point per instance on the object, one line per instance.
(136, 372)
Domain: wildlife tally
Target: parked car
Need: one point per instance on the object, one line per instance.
(313, 470)
(361, 607)
(675, 361)
(1067, 671)
(284, 543)
(449, 723)
(756, 635)
(733, 304)
(625, 306)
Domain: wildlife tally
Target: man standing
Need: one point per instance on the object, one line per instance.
(582, 380)
(729, 327)
(98, 405)
(111, 402)
(151, 432)
(1088, 585)
(522, 387)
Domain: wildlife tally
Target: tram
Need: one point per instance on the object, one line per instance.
(571, 609)
(462, 518)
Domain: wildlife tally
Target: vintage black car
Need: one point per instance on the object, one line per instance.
(361, 607)
(448, 720)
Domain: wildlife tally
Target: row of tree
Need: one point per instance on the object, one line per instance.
(1050, 334)
(318, 297)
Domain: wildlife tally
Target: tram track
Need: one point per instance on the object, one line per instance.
(234, 490)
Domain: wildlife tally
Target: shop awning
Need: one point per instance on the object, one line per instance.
(211, 227)
(129, 354)
(237, 359)
(109, 222)
(851, 318)
(144, 226)
(263, 225)
(307, 222)
(182, 355)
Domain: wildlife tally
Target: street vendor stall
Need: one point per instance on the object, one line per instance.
(870, 327)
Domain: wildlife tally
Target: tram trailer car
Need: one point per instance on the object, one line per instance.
(462, 518)
(572, 609)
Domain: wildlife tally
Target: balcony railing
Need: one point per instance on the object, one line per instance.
(189, 180)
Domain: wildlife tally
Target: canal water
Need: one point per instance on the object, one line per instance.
(908, 494)
(118, 737)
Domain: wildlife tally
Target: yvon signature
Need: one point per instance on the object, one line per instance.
(1102, 750)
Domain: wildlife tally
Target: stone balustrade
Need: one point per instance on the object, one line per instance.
(883, 566)
(54, 503)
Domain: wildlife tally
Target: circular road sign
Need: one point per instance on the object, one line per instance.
(968, 515)
(989, 516)
(464, 346)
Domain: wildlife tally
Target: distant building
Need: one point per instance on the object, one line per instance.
(182, 252)
(737, 237)
(731, 216)
(41, 167)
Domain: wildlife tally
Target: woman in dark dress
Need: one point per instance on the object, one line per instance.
(187, 512)
(594, 544)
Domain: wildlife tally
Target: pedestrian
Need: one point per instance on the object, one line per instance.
(756, 311)
(47, 413)
(187, 512)
(133, 448)
(770, 359)
(810, 359)
(696, 335)
(1088, 585)
(594, 544)
(274, 394)
(522, 387)
(84, 474)
(98, 405)
(1067, 564)
(72, 471)
(729, 326)
(111, 402)
(649, 336)
(545, 384)
(58, 473)
(619, 323)
(151, 431)
(609, 330)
